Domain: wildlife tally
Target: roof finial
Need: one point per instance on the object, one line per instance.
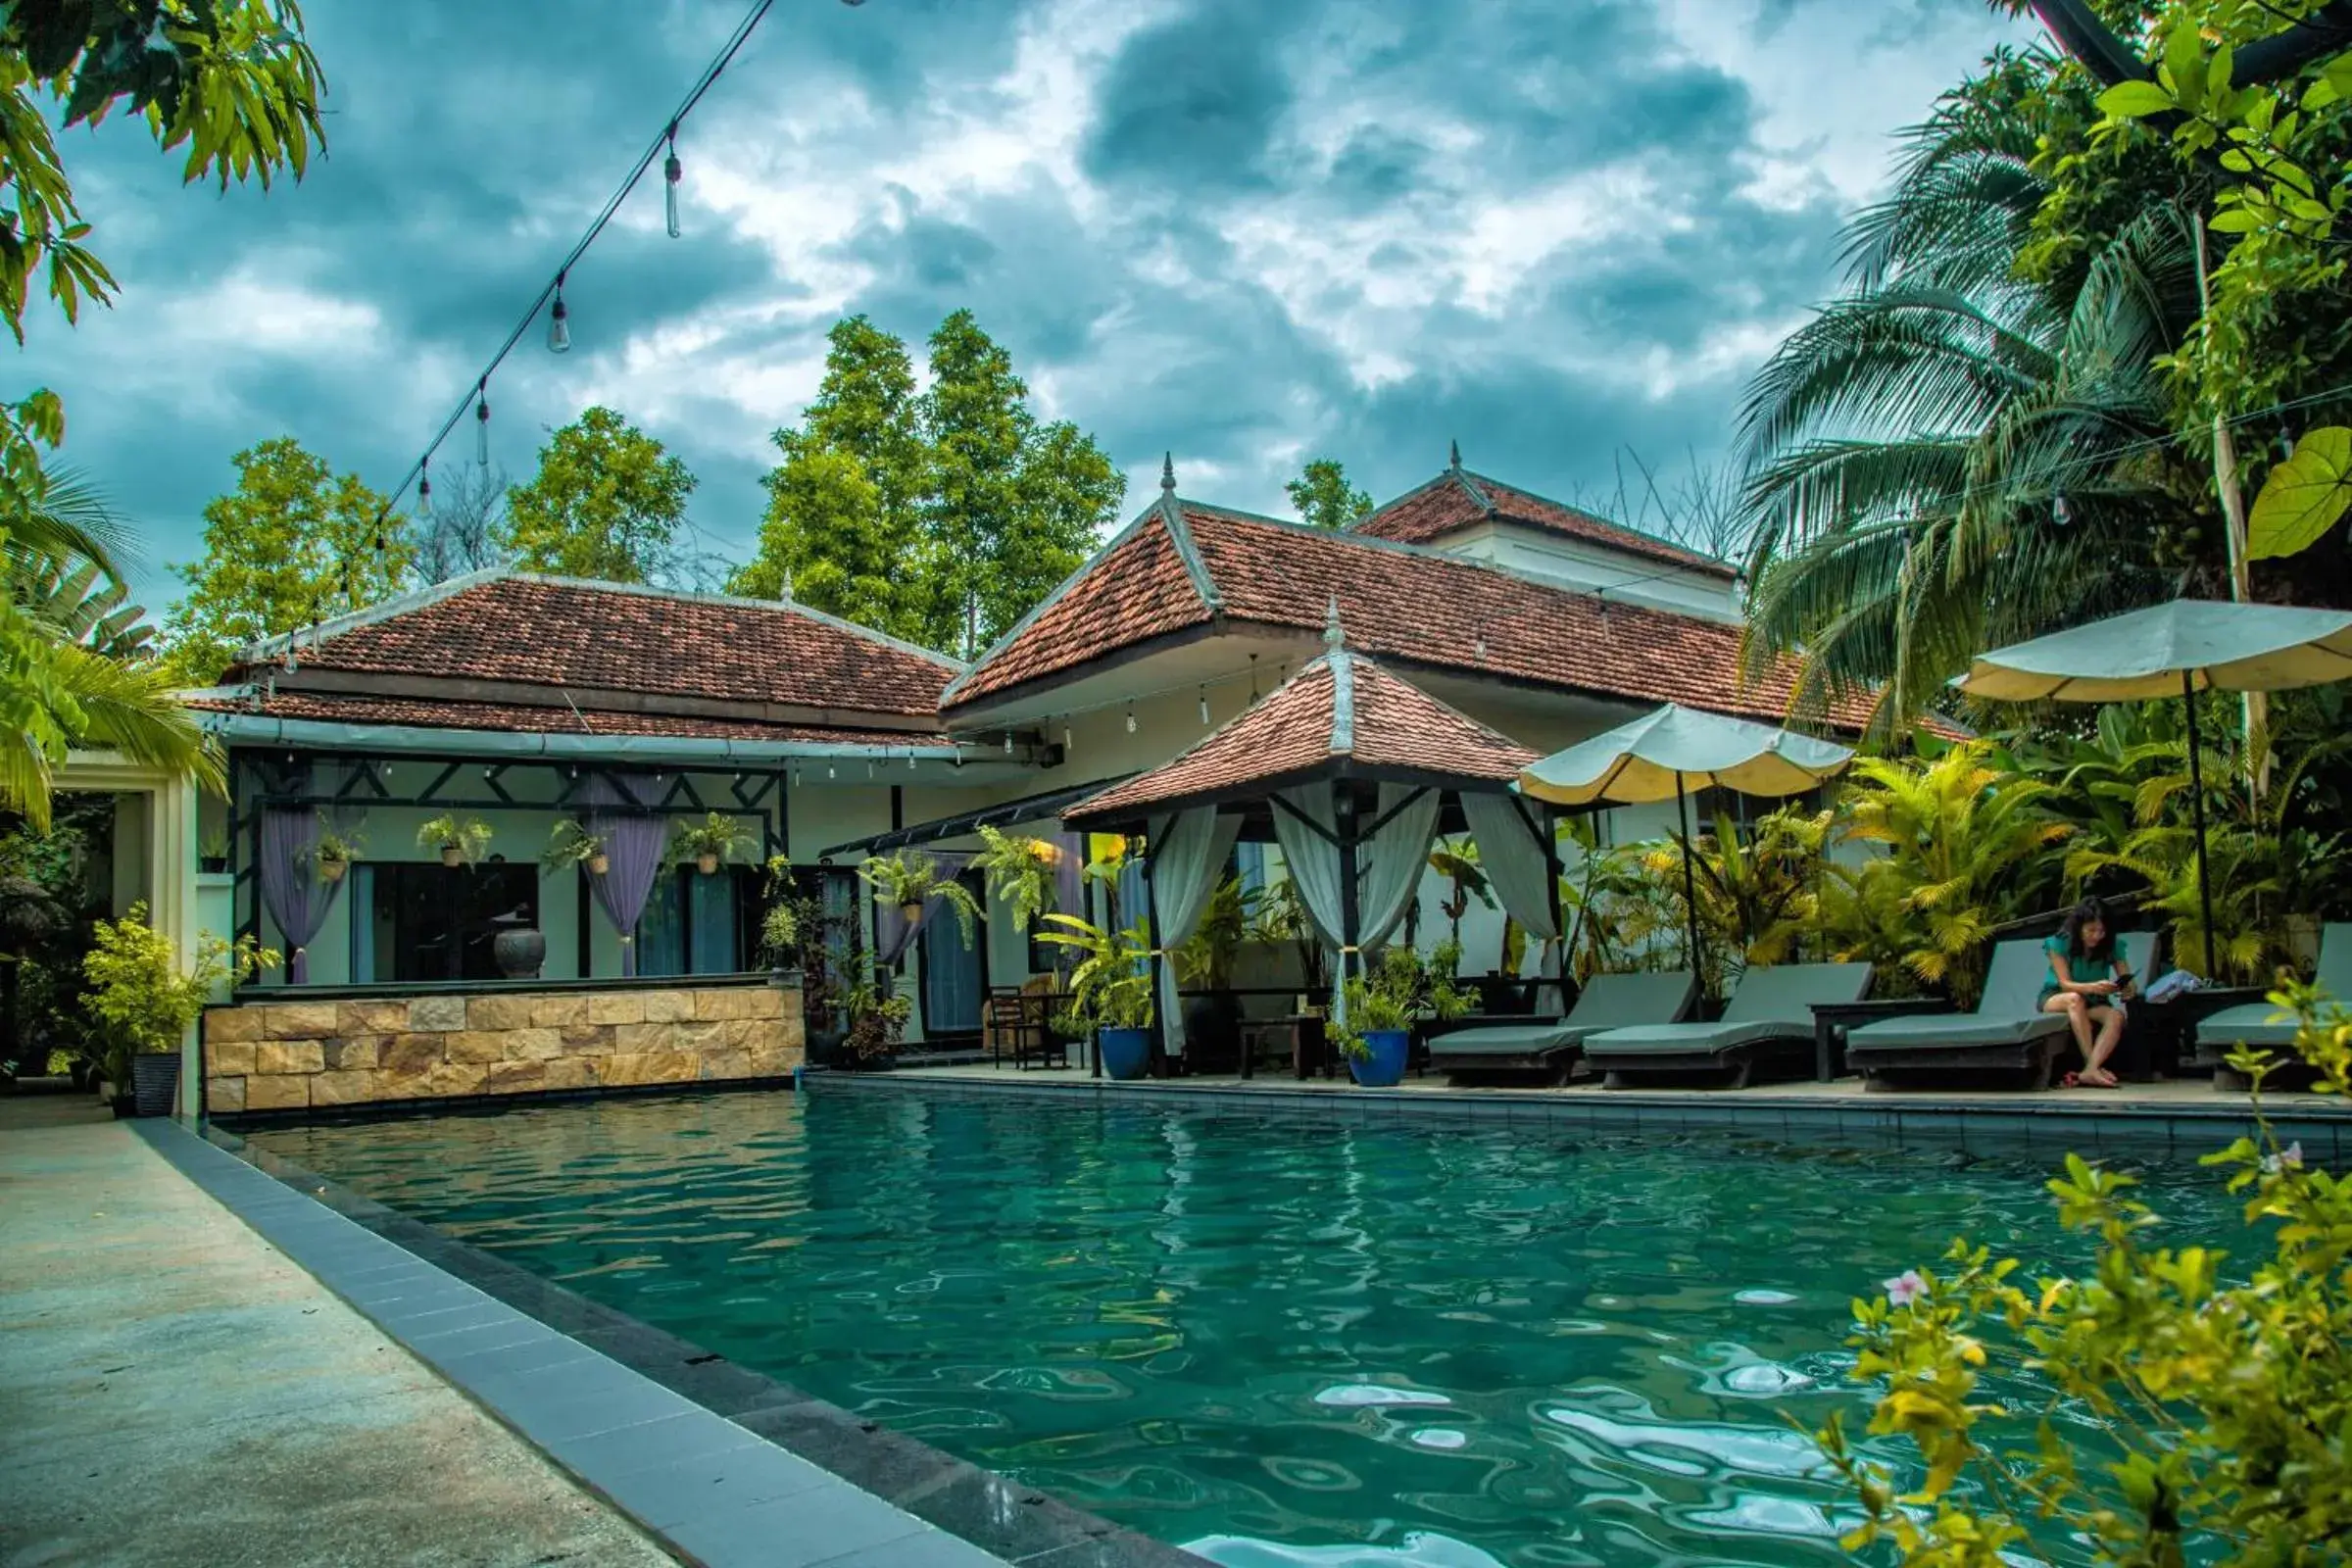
(1333, 636)
(1453, 453)
(784, 592)
(1167, 473)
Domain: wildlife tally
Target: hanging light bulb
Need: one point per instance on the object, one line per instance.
(832, 771)
(1008, 743)
(481, 421)
(424, 495)
(672, 169)
(909, 758)
(1130, 716)
(1065, 735)
(1205, 707)
(1253, 680)
(558, 322)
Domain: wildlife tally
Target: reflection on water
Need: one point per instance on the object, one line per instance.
(1279, 1342)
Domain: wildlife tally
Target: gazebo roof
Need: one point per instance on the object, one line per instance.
(1341, 716)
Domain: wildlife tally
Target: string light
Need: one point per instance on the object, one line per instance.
(1130, 716)
(672, 169)
(1205, 707)
(1008, 743)
(558, 322)
(1065, 735)
(1253, 680)
(481, 421)
(909, 758)
(424, 497)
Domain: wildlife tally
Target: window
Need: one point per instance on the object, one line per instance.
(695, 924)
(433, 922)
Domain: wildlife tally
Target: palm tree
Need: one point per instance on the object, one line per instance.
(73, 674)
(1948, 457)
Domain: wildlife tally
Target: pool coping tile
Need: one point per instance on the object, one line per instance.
(647, 1421)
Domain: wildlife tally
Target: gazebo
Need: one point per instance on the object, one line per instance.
(1353, 771)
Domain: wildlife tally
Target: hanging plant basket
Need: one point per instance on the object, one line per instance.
(332, 870)
(912, 913)
(599, 864)
(707, 864)
(452, 857)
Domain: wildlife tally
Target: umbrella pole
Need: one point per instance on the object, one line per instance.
(2196, 805)
(1682, 810)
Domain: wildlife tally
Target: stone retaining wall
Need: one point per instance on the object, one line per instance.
(295, 1055)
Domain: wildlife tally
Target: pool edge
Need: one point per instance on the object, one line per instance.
(952, 1501)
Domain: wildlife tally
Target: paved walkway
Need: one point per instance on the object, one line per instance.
(177, 1391)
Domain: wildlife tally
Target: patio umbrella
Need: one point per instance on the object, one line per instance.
(1673, 750)
(2173, 650)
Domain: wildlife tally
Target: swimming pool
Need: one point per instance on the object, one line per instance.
(1275, 1342)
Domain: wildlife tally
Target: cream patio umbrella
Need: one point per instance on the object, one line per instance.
(2173, 650)
(1673, 751)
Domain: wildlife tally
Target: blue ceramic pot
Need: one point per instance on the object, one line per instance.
(1126, 1053)
(1385, 1068)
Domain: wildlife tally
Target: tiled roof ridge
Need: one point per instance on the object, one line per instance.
(1473, 489)
(1188, 551)
(419, 599)
(1343, 701)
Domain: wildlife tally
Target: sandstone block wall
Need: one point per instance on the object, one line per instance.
(290, 1055)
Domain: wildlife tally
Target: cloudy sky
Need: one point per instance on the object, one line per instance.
(1248, 232)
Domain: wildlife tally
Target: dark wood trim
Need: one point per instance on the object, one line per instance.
(593, 699)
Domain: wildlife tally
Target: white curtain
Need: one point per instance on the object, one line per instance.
(1511, 854)
(1187, 858)
(1391, 861)
(1313, 861)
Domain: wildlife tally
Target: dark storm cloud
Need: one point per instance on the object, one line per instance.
(1237, 231)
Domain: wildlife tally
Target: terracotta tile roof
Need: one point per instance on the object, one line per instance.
(562, 633)
(1388, 723)
(1457, 497)
(430, 713)
(1403, 603)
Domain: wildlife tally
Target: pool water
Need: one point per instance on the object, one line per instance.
(1275, 1342)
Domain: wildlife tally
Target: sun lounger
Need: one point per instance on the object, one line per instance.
(2258, 1023)
(1607, 1002)
(2008, 1031)
(1770, 1016)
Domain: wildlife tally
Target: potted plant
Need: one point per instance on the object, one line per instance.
(144, 1004)
(877, 1021)
(1019, 875)
(212, 850)
(1384, 1005)
(334, 852)
(570, 845)
(1111, 989)
(790, 912)
(911, 881)
(460, 839)
(716, 837)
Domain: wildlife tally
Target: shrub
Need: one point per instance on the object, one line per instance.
(2232, 1401)
(138, 994)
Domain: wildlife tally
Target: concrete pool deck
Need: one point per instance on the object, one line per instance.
(179, 1392)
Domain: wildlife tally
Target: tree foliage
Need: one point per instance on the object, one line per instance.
(232, 83)
(1323, 496)
(941, 516)
(292, 545)
(606, 503)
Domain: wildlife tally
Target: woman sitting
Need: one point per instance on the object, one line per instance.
(2087, 982)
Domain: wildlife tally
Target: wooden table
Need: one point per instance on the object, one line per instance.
(1831, 1020)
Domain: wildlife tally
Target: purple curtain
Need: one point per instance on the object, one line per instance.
(292, 891)
(892, 934)
(633, 839)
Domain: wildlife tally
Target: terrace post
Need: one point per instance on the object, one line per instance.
(1548, 829)
(1160, 1025)
(1342, 811)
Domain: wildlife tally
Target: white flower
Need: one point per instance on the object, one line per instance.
(2288, 1158)
(1905, 1288)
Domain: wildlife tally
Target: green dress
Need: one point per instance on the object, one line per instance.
(2081, 967)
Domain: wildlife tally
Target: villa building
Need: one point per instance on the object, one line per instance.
(525, 701)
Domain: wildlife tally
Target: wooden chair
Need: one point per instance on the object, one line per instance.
(1020, 1022)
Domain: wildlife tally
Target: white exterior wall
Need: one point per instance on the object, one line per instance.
(1571, 563)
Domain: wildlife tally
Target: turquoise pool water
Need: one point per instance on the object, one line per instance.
(1275, 1342)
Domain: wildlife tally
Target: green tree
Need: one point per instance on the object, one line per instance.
(1325, 498)
(608, 502)
(844, 526)
(293, 544)
(942, 516)
(234, 84)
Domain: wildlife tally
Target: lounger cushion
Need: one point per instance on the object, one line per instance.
(1693, 1039)
(2257, 1023)
(1607, 1002)
(1769, 1004)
